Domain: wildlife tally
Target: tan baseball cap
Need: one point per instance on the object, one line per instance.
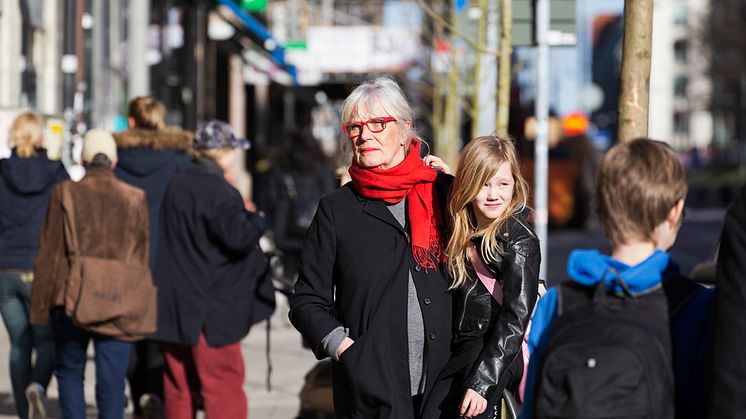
(99, 141)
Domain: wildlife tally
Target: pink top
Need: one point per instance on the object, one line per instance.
(485, 276)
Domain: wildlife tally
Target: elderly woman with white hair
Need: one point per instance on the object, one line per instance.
(372, 289)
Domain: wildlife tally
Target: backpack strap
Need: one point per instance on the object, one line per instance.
(67, 207)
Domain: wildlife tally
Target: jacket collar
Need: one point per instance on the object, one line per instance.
(167, 137)
(99, 172)
(205, 165)
(376, 208)
(589, 267)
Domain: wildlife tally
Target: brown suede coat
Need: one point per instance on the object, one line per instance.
(111, 221)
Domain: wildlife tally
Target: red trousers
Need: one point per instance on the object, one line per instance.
(215, 373)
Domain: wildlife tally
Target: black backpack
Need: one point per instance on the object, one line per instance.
(608, 355)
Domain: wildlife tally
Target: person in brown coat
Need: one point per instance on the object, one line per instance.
(110, 220)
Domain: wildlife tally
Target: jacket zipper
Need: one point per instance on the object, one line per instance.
(466, 298)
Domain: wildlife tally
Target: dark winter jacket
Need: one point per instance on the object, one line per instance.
(727, 393)
(478, 314)
(148, 159)
(354, 272)
(24, 195)
(208, 265)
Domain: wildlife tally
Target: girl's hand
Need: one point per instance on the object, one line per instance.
(472, 404)
(437, 163)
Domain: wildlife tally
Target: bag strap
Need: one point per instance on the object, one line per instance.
(67, 208)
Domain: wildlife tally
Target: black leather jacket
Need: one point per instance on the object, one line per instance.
(478, 314)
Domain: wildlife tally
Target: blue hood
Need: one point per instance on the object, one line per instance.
(588, 267)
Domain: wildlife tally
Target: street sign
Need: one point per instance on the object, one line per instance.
(254, 5)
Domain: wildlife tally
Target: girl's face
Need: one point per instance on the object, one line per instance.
(494, 196)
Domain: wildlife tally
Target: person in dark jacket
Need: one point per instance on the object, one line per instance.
(28, 177)
(290, 192)
(150, 154)
(208, 271)
(725, 389)
(372, 291)
(493, 260)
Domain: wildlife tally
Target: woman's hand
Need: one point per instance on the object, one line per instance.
(472, 404)
(346, 343)
(437, 163)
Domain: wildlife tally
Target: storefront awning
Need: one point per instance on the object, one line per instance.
(276, 52)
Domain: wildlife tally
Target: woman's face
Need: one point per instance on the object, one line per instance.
(384, 149)
(494, 196)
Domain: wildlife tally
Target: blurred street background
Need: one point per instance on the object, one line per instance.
(275, 67)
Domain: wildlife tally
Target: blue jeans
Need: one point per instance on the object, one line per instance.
(111, 358)
(15, 299)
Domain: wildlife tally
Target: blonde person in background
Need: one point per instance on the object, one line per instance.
(26, 181)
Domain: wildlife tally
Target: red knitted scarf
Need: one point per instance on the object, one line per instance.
(411, 179)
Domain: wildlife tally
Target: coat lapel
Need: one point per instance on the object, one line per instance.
(377, 209)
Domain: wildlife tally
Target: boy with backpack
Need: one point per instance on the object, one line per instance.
(600, 343)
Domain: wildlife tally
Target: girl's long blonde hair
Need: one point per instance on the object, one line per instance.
(479, 162)
(27, 134)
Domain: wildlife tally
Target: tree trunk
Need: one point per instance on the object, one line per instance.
(504, 70)
(634, 86)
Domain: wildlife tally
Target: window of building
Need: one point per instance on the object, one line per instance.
(680, 14)
(680, 85)
(681, 50)
(681, 123)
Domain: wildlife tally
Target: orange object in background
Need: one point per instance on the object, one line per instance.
(574, 124)
(561, 184)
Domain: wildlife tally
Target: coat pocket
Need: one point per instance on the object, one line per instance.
(364, 366)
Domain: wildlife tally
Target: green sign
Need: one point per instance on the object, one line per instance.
(254, 5)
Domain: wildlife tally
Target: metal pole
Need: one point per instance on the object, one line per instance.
(541, 150)
(486, 95)
(139, 71)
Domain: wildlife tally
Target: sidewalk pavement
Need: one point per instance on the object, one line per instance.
(290, 362)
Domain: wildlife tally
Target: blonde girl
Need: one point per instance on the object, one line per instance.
(493, 261)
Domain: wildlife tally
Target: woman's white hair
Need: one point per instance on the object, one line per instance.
(381, 93)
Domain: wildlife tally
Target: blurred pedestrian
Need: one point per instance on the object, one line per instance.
(104, 221)
(28, 177)
(209, 271)
(493, 260)
(290, 192)
(611, 319)
(372, 288)
(150, 154)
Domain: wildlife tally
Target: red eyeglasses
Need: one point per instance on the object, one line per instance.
(353, 129)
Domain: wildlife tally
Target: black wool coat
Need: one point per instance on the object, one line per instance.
(209, 268)
(354, 272)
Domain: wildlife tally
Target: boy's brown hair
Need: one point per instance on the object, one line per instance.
(148, 113)
(637, 185)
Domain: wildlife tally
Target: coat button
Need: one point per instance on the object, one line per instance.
(432, 335)
(427, 301)
(417, 268)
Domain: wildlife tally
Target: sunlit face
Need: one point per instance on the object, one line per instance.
(494, 197)
(384, 149)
